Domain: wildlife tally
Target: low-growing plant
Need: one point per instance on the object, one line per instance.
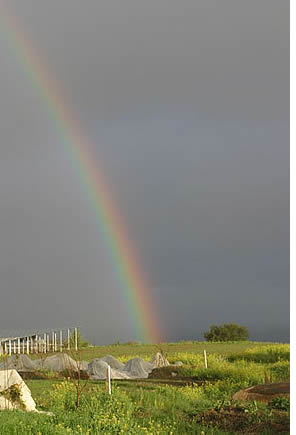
(280, 371)
(282, 403)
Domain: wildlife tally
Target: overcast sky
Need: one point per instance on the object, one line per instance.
(187, 104)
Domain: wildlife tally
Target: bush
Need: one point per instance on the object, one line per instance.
(227, 332)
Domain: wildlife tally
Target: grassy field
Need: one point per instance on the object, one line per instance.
(126, 351)
(204, 406)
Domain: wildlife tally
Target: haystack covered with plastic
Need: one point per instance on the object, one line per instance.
(21, 363)
(60, 362)
(135, 368)
(97, 369)
(112, 362)
(138, 368)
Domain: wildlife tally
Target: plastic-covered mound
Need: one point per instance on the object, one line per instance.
(39, 363)
(138, 368)
(159, 360)
(60, 362)
(97, 369)
(112, 362)
(21, 363)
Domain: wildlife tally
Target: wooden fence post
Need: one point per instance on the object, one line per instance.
(206, 360)
(108, 379)
(76, 338)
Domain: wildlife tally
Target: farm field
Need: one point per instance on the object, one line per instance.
(185, 399)
(125, 350)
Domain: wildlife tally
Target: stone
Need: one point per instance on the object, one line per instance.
(14, 393)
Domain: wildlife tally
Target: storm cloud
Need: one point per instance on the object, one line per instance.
(187, 105)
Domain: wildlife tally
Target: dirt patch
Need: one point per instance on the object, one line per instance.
(236, 420)
(264, 393)
(172, 375)
(40, 375)
(169, 372)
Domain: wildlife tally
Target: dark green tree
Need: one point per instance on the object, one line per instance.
(227, 332)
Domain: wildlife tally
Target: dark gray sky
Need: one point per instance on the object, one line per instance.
(187, 103)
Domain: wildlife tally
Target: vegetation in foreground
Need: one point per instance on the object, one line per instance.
(138, 407)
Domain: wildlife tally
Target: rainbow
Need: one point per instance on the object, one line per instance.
(79, 149)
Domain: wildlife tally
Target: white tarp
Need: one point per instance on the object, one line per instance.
(97, 369)
(60, 362)
(112, 362)
(138, 368)
(21, 363)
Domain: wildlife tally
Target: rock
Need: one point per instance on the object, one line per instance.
(263, 393)
(21, 363)
(14, 393)
(159, 360)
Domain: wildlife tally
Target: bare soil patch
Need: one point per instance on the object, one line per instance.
(235, 420)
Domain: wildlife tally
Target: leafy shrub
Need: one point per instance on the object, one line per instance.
(282, 403)
(227, 332)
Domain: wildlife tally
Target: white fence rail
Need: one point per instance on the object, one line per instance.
(40, 342)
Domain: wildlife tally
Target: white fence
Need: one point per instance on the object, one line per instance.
(44, 342)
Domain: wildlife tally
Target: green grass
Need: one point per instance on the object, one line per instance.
(144, 407)
(173, 350)
(270, 353)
